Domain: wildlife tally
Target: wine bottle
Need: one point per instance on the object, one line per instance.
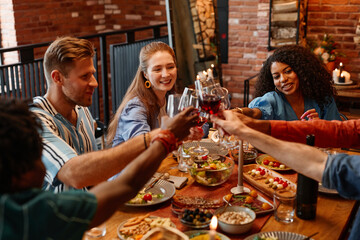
(306, 192)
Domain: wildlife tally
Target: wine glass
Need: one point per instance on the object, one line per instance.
(174, 106)
(212, 97)
(190, 98)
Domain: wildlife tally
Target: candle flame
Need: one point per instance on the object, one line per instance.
(204, 72)
(212, 65)
(197, 77)
(341, 64)
(342, 74)
(213, 223)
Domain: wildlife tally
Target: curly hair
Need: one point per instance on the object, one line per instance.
(314, 79)
(20, 142)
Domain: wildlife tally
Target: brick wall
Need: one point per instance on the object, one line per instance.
(40, 21)
(248, 33)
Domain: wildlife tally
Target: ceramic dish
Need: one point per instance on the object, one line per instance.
(344, 83)
(150, 226)
(258, 211)
(161, 187)
(195, 233)
(259, 182)
(279, 235)
(249, 155)
(259, 160)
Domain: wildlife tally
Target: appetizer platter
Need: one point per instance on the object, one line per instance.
(266, 180)
(181, 202)
(160, 192)
(250, 200)
(269, 162)
(134, 228)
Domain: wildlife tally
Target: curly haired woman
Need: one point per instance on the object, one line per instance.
(293, 84)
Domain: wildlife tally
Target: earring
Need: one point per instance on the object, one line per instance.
(147, 84)
(277, 90)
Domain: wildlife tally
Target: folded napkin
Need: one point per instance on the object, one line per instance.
(178, 182)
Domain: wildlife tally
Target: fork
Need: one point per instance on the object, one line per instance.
(154, 182)
(309, 237)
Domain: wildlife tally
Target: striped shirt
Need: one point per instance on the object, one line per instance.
(62, 140)
(37, 214)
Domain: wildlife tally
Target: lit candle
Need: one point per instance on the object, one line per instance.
(342, 78)
(335, 75)
(213, 226)
(210, 73)
(341, 68)
(197, 77)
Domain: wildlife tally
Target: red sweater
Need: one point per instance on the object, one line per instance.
(344, 134)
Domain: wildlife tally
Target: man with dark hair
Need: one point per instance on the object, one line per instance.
(27, 212)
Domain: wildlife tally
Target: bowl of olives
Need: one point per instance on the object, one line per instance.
(196, 218)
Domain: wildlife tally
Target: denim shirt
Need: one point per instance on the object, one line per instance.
(342, 172)
(274, 106)
(133, 122)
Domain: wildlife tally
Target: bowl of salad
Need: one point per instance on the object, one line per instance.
(213, 171)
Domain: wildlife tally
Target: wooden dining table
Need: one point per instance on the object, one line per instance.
(333, 216)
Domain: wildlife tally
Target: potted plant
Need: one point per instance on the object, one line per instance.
(325, 50)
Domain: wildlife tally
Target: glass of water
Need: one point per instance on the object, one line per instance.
(284, 204)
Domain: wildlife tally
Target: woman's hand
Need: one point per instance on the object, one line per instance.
(310, 115)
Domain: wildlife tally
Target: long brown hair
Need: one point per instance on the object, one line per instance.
(137, 88)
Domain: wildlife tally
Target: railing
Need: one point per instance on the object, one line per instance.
(247, 89)
(25, 79)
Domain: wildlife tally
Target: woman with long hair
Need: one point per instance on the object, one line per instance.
(145, 100)
(293, 84)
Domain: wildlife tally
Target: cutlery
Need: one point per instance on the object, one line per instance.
(227, 204)
(309, 237)
(154, 182)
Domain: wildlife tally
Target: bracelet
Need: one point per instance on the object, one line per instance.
(146, 146)
(240, 110)
(168, 140)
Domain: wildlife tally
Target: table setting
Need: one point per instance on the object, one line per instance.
(209, 190)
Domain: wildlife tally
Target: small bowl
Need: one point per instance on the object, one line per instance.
(199, 219)
(249, 155)
(235, 228)
(212, 177)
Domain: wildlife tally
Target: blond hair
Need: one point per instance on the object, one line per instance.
(137, 88)
(62, 53)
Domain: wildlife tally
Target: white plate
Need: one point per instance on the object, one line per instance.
(344, 83)
(213, 148)
(161, 187)
(323, 189)
(279, 235)
(192, 233)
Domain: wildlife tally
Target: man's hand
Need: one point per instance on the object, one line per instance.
(180, 124)
(231, 124)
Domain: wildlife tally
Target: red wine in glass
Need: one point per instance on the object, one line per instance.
(201, 121)
(210, 103)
